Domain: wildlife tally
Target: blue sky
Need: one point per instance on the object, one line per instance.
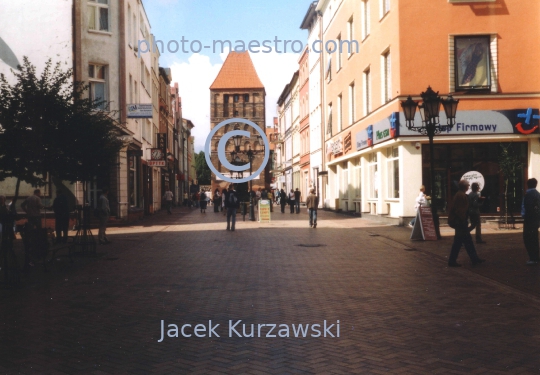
(208, 20)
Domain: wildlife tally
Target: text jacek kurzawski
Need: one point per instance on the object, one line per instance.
(238, 329)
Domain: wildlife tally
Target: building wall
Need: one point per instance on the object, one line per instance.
(397, 32)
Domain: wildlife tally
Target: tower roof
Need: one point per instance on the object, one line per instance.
(237, 72)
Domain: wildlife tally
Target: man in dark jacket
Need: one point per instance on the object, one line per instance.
(458, 216)
(297, 195)
(232, 203)
(530, 210)
(61, 216)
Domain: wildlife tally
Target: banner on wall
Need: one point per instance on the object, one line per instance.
(516, 121)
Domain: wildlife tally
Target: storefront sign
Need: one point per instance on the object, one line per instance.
(517, 121)
(347, 144)
(364, 138)
(139, 111)
(156, 163)
(386, 129)
(474, 176)
(264, 211)
(424, 229)
(337, 146)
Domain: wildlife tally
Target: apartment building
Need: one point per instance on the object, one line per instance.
(470, 49)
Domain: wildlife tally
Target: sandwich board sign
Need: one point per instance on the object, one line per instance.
(264, 211)
(424, 228)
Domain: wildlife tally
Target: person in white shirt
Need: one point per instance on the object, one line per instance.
(168, 198)
(421, 200)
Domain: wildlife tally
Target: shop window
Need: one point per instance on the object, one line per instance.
(392, 160)
(344, 181)
(357, 184)
(98, 15)
(373, 176)
(473, 62)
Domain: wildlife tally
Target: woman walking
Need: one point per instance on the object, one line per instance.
(203, 202)
(217, 200)
(282, 200)
(292, 201)
(223, 194)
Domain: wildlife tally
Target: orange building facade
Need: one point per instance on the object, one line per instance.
(482, 52)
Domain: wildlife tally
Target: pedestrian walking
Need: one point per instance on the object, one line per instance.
(421, 200)
(258, 198)
(61, 216)
(282, 200)
(457, 219)
(32, 206)
(186, 199)
(312, 203)
(217, 200)
(475, 201)
(223, 209)
(203, 201)
(104, 213)
(292, 202)
(232, 203)
(168, 198)
(530, 210)
(271, 199)
(297, 196)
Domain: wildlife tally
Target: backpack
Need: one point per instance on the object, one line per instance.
(232, 198)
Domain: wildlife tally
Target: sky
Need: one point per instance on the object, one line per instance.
(210, 20)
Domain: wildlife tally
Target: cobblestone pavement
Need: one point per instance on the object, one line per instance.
(400, 309)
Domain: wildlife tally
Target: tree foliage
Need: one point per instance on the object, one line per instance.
(204, 175)
(48, 125)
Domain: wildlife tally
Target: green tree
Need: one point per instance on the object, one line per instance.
(204, 175)
(48, 126)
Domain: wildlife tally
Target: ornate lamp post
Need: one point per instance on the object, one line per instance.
(251, 155)
(429, 112)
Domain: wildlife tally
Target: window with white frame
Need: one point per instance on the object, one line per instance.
(357, 185)
(386, 81)
(365, 19)
(473, 62)
(143, 74)
(130, 35)
(350, 36)
(98, 15)
(339, 113)
(338, 53)
(392, 161)
(97, 77)
(367, 92)
(344, 183)
(352, 103)
(130, 89)
(385, 7)
(373, 176)
(134, 34)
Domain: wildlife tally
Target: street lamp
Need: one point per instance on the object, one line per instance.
(429, 112)
(251, 155)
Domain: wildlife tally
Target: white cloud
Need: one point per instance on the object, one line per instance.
(195, 77)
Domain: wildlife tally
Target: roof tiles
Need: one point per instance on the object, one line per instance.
(237, 72)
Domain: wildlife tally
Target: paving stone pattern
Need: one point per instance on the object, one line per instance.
(401, 310)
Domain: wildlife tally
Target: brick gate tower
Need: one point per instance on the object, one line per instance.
(237, 91)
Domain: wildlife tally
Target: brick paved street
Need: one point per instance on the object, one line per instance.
(401, 310)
